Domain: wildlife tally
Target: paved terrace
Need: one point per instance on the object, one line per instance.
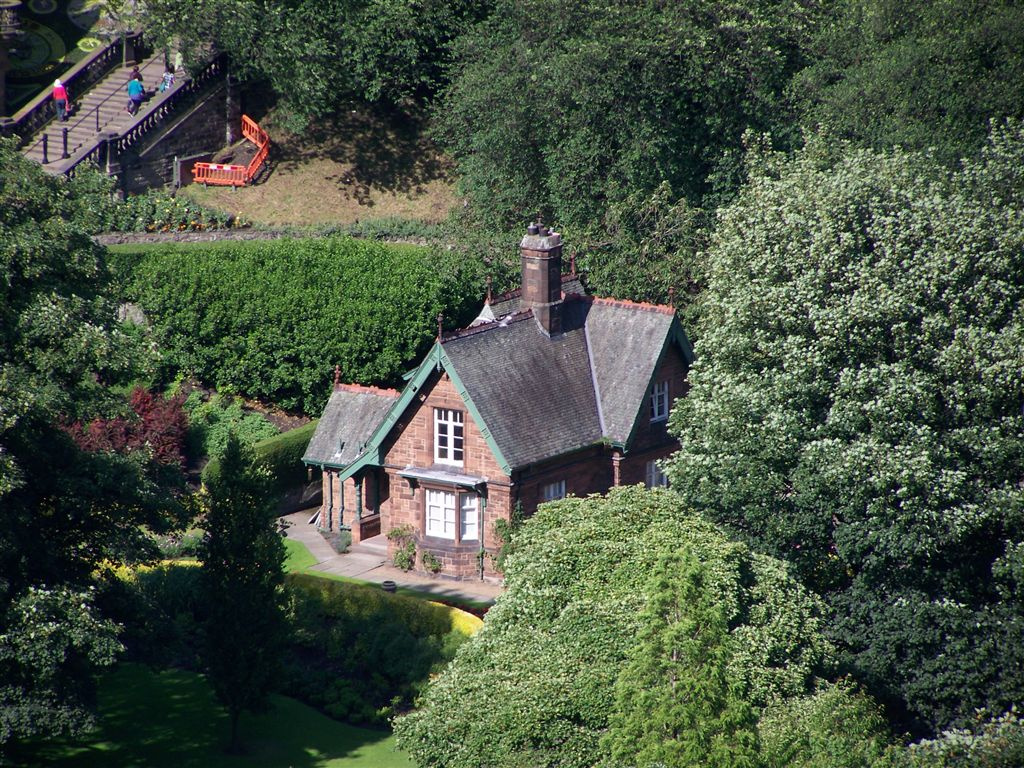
(367, 561)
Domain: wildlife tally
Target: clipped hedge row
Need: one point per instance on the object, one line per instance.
(363, 655)
(421, 617)
(280, 454)
(271, 319)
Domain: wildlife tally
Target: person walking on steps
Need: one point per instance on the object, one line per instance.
(136, 95)
(167, 81)
(60, 100)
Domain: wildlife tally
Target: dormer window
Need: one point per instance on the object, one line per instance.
(659, 401)
(448, 436)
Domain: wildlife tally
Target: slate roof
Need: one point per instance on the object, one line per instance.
(535, 397)
(511, 302)
(542, 397)
(535, 394)
(348, 421)
(626, 341)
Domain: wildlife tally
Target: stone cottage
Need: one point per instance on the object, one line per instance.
(549, 392)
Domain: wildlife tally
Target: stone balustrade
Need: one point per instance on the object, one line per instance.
(30, 119)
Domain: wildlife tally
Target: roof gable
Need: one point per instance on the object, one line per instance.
(434, 361)
(349, 419)
(627, 341)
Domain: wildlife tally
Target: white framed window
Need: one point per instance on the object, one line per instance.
(448, 436)
(552, 491)
(469, 517)
(659, 401)
(655, 477)
(440, 514)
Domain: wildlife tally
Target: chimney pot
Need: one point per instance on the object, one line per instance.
(541, 261)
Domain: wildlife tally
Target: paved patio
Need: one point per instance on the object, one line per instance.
(368, 561)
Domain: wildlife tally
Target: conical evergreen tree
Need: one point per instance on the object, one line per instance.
(243, 559)
(675, 705)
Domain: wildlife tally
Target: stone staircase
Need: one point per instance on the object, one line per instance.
(98, 110)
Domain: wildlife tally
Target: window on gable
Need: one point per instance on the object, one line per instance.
(659, 401)
(552, 491)
(448, 436)
(440, 514)
(655, 477)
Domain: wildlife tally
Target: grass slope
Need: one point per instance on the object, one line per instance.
(354, 167)
(171, 719)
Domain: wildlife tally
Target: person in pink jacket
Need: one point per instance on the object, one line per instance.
(60, 100)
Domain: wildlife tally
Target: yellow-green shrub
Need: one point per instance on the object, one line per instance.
(364, 654)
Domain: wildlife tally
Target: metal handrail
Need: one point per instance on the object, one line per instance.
(154, 116)
(28, 120)
(95, 110)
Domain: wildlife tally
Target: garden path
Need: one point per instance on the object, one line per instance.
(368, 563)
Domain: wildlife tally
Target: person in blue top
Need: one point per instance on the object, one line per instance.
(167, 81)
(136, 95)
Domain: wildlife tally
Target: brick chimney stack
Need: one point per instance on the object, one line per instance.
(541, 259)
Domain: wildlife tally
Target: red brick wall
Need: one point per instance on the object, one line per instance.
(411, 443)
(585, 472)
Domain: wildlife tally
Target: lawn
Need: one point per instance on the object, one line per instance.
(353, 167)
(170, 719)
(298, 557)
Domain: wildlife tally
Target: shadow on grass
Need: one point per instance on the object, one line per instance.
(170, 718)
(384, 151)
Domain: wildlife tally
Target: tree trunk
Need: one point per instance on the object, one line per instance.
(234, 748)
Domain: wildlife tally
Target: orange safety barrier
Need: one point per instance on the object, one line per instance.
(236, 175)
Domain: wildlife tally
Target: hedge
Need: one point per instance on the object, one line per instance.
(355, 652)
(271, 319)
(364, 655)
(281, 455)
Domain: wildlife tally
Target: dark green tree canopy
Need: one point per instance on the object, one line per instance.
(917, 75)
(315, 55)
(64, 510)
(242, 581)
(856, 406)
(563, 107)
(544, 667)
(675, 704)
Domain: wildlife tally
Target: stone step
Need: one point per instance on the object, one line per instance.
(110, 96)
(376, 545)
